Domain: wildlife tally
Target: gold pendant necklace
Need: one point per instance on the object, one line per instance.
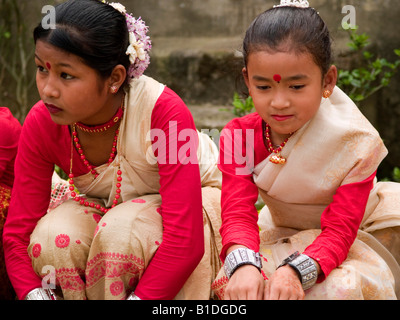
(276, 158)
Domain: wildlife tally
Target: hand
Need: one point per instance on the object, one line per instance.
(246, 283)
(284, 284)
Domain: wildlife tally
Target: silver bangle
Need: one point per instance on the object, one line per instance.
(41, 294)
(133, 296)
(304, 267)
(240, 257)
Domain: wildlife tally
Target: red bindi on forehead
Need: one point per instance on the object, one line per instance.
(277, 78)
(48, 65)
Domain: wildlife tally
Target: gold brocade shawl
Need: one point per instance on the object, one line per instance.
(135, 156)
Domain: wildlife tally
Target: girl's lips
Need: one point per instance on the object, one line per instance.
(281, 118)
(52, 108)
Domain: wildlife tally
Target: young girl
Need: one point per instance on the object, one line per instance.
(10, 130)
(144, 183)
(315, 159)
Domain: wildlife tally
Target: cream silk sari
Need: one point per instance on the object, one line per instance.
(337, 147)
(104, 257)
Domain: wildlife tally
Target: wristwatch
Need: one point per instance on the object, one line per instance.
(41, 294)
(304, 267)
(240, 257)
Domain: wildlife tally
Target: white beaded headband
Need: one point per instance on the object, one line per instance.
(293, 3)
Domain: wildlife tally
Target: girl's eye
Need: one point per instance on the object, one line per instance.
(66, 76)
(41, 69)
(263, 88)
(298, 87)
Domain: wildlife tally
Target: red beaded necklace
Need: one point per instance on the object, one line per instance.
(103, 127)
(83, 157)
(82, 200)
(277, 158)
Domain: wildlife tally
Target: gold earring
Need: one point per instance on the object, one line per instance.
(327, 94)
(114, 89)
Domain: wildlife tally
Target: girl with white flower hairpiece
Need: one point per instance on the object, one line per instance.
(143, 182)
(328, 230)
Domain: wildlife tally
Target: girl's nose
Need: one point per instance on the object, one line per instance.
(50, 89)
(280, 101)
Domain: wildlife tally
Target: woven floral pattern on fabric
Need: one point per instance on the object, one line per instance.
(6, 290)
(113, 265)
(5, 196)
(59, 193)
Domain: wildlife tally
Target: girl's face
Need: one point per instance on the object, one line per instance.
(72, 91)
(286, 88)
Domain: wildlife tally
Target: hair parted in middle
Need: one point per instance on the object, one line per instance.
(290, 29)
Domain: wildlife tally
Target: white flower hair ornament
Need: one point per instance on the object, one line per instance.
(139, 43)
(293, 3)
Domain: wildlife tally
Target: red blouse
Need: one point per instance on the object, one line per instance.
(339, 222)
(10, 130)
(44, 143)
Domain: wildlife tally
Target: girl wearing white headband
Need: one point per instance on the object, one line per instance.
(328, 230)
(144, 189)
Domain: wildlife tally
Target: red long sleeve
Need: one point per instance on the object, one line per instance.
(239, 192)
(339, 222)
(10, 130)
(43, 144)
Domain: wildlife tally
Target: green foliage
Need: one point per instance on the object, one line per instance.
(242, 107)
(373, 73)
(61, 173)
(395, 175)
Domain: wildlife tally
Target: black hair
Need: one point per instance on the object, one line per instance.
(92, 30)
(301, 30)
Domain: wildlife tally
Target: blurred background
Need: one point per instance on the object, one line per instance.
(197, 53)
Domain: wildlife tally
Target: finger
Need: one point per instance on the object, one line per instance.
(260, 293)
(227, 295)
(230, 297)
(274, 292)
(253, 294)
(294, 297)
(266, 290)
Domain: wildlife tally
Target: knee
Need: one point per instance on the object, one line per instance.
(129, 229)
(59, 241)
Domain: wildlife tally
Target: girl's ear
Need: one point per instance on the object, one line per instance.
(330, 79)
(117, 77)
(246, 79)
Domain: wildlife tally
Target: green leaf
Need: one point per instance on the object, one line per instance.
(359, 98)
(368, 55)
(356, 83)
(385, 82)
